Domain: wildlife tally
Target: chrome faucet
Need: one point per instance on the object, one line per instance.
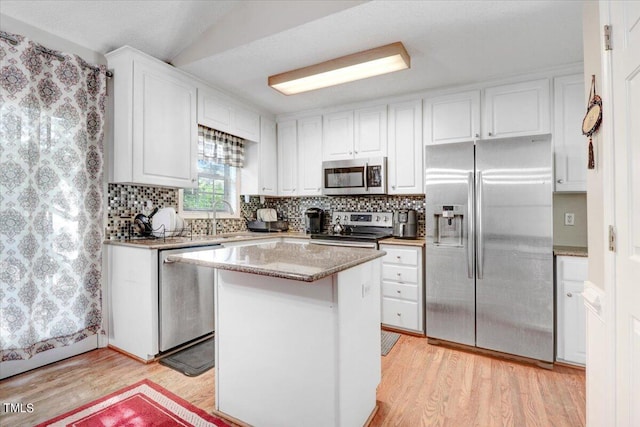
(215, 204)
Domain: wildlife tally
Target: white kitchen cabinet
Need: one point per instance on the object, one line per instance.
(370, 132)
(571, 273)
(517, 109)
(355, 134)
(452, 118)
(217, 111)
(259, 176)
(133, 300)
(309, 131)
(155, 129)
(403, 287)
(405, 160)
(337, 136)
(287, 158)
(570, 145)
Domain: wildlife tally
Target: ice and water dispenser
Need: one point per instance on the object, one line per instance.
(448, 225)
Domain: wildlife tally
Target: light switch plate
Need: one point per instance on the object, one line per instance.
(569, 219)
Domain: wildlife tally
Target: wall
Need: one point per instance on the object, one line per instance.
(126, 201)
(570, 235)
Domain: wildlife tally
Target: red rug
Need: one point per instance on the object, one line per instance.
(143, 404)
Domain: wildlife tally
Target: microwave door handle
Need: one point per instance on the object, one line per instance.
(366, 176)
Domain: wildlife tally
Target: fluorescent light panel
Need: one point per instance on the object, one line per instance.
(361, 65)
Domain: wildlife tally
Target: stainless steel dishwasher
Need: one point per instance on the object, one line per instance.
(185, 299)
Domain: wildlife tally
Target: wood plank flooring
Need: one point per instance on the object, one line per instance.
(422, 385)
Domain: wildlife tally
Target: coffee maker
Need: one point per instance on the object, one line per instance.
(313, 219)
(405, 224)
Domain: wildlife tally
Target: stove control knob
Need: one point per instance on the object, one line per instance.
(378, 218)
(346, 217)
(386, 218)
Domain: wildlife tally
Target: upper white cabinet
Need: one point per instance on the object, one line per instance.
(569, 143)
(405, 161)
(287, 158)
(337, 136)
(516, 109)
(370, 131)
(259, 174)
(154, 122)
(309, 156)
(571, 273)
(452, 118)
(219, 112)
(355, 134)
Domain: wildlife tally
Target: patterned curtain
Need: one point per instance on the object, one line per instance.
(220, 147)
(51, 178)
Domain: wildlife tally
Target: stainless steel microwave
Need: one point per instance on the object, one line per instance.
(356, 176)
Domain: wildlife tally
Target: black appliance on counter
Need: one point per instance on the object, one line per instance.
(267, 226)
(405, 224)
(313, 220)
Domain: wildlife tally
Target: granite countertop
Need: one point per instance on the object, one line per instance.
(581, 251)
(183, 242)
(303, 262)
(420, 241)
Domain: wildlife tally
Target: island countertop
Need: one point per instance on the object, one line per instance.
(296, 261)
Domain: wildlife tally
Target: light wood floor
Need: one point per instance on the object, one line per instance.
(422, 385)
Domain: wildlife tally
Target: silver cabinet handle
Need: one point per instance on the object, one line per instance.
(477, 135)
(263, 188)
(350, 152)
(469, 225)
(560, 181)
(490, 134)
(399, 292)
(399, 257)
(393, 187)
(569, 294)
(193, 180)
(479, 237)
(399, 314)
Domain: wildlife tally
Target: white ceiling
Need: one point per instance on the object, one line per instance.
(236, 45)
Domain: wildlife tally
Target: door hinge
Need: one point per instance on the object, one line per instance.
(607, 37)
(612, 238)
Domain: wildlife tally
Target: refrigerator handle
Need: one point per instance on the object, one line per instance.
(479, 246)
(470, 225)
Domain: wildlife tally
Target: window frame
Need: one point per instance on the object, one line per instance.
(209, 214)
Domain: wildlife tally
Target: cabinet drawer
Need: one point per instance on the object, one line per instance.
(572, 268)
(402, 256)
(397, 290)
(402, 314)
(400, 274)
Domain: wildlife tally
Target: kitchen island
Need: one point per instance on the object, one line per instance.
(297, 332)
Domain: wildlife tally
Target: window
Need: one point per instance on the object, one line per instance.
(215, 182)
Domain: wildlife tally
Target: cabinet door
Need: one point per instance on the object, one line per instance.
(569, 143)
(214, 112)
(337, 136)
(310, 156)
(571, 272)
(517, 109)
(370, 138)
(287, 158)
(165, 130)
(405, 161)
(246, 124)
(268, 181)
(452, 118)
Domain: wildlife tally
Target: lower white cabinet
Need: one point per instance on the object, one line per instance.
(133, 300)
(402, 290)
(571, 272)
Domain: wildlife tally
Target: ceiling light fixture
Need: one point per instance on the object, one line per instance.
(361, 65)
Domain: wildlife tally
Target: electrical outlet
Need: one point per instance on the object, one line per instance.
(149, 204)
(569, 219)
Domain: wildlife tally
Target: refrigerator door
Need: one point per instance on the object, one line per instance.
(514, 244)
(449, 268)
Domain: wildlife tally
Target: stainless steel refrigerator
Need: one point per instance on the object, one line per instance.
(489, 248)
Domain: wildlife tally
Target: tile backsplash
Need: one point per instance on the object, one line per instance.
(126, 201)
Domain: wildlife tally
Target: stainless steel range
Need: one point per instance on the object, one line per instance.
(356, 229)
